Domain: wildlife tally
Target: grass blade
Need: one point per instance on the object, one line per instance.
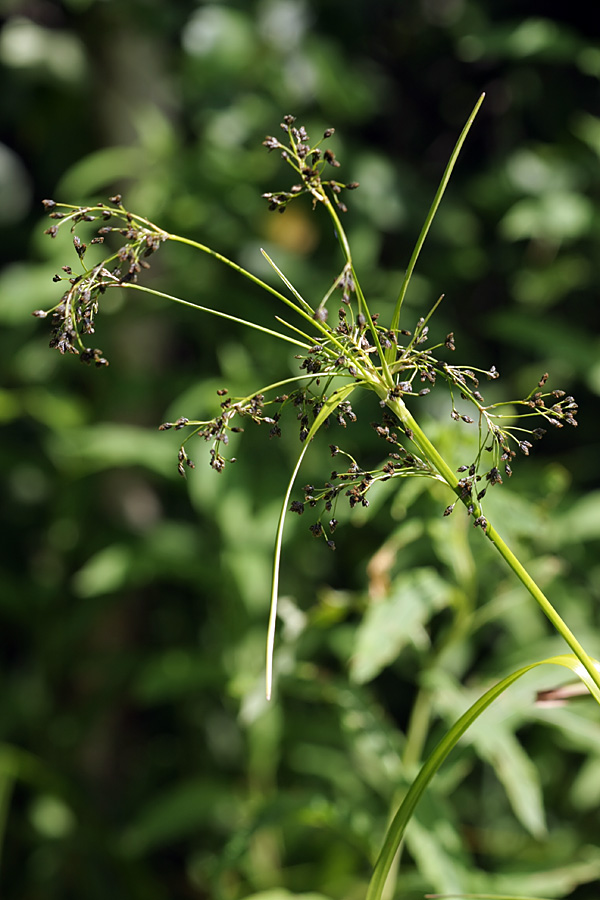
(396, 830)
(308, 308)
(390, 354)
(328, 407)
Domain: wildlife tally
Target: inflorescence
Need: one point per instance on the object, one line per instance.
(352, 345)
(308, 163)
(73, 319)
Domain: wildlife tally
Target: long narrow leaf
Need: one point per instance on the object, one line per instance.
(328, 407)
(306, 310)
(438, 755)
(287, 283)
(390, 354)
(293, 328)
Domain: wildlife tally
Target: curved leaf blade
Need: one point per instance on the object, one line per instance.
(430, 216)
(328, 406)
(431, 765)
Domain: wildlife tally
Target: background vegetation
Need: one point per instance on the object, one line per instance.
(138, 757)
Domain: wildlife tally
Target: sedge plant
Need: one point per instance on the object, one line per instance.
(344, 349)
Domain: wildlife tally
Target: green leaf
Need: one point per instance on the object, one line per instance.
(436, 758)
(390, 354)
(581, 522)
(390, 625)
(105, 445)
(517, 773)
(494, 741)
(435, 863)
(558, 216)
(99, 170)
(168, 676)
(307, 307)
(24, 287)
(327, 408)
(216, 312)
(178, 812)
(106, 571)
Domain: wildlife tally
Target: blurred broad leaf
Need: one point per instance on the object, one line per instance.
(180, 810)
(281, 894)
(107, 445)
(389, 625)
(559, 216)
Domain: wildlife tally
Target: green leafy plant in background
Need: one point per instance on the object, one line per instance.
(342, 353)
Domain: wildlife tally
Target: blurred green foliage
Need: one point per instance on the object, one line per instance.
(139, 758)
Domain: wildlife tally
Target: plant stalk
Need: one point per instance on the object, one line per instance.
(430, 453)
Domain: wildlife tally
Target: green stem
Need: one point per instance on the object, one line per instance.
(239, 269)
(341, 234)
(418, 729)
(213, 312)
(362, 303)
(319, 326)
(430, 453)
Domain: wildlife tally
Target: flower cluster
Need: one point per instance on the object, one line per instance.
(309, 163)
(502, 438)
(73, 318)
(498, 437)
(399, 365)
(355, 482)
(306, 405)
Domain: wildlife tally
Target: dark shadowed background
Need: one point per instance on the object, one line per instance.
(138, 757)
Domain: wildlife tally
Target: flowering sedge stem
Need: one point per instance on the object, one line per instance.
(438, 462)
(362, 303)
